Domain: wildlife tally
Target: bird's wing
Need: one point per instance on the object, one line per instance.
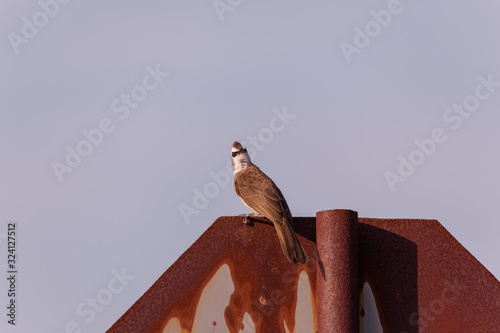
(260, 193)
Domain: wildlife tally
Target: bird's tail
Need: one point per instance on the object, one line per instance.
(289, 243)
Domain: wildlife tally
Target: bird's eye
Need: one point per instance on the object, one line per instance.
(245, 150)
(234, 153)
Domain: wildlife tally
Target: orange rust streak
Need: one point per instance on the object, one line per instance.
(265, 284)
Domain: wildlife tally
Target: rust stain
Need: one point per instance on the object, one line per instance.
(265, 283)
(184, 309)
(269, 311)
(416, 269)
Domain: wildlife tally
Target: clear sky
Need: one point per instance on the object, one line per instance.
(118, 119)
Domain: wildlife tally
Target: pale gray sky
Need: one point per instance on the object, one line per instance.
(346, 117)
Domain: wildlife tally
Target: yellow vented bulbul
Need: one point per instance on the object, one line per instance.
(259, 193)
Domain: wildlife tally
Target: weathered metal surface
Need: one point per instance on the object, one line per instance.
(337, 278)
(423, 280)
(265, 282)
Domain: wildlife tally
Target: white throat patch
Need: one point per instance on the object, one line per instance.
(240, 161)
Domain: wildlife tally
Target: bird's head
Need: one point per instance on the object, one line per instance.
(239, 157)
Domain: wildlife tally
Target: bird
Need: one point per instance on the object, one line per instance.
(259, 193)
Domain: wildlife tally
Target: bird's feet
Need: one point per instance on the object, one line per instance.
(246, 216)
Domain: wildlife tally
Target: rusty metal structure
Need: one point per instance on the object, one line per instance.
(234, 278)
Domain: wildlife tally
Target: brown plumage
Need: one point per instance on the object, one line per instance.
(263, 197)
(237, 145)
